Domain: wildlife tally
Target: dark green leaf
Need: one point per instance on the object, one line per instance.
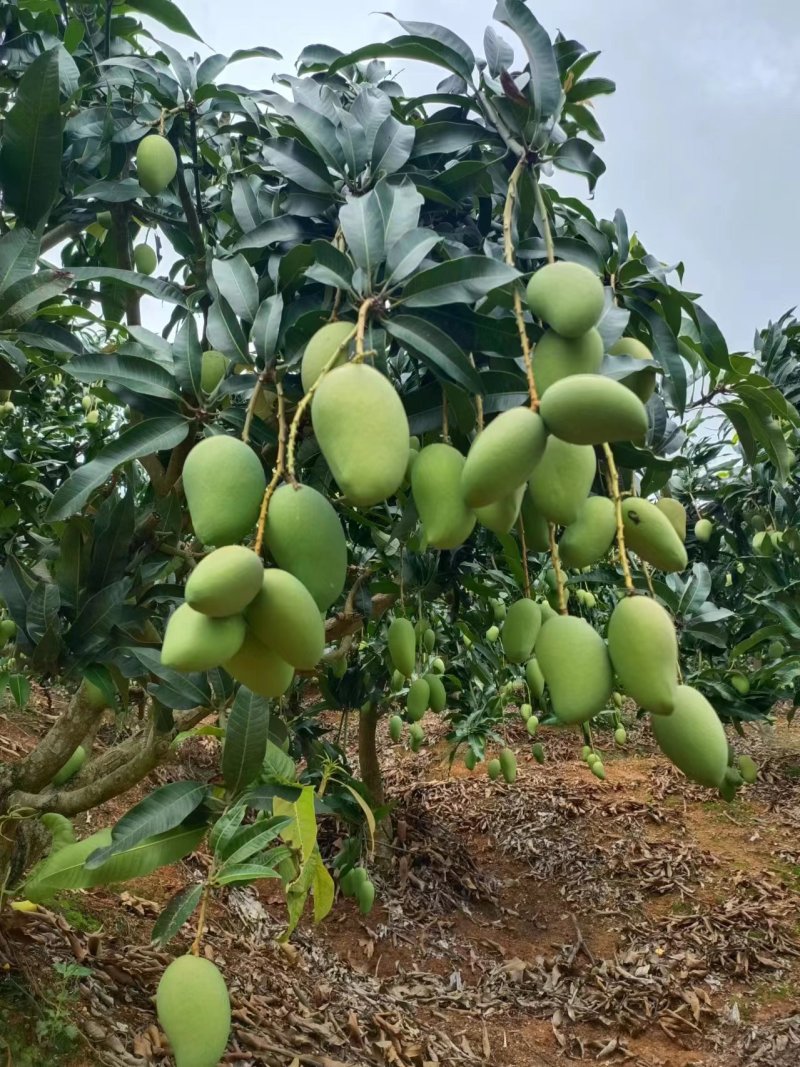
(250, 839)
(266, 328)
(245, 740)
(362, 224)
(175, 914)
(590, 87)
(20, 689)
(19, 249)
(436, 349)
(250, 872)
(272, 231)
(400, 205)
(167, 13)
(20, 300)
(112, 192)
(298, 163)
(188, 357)
(545, 83)
(42, 611)
(431, 31)
(133, 372)
(579, 157)
(407, 48)
(225, 331)
(393, 145)
(157, 287)
(666, 352)
(236, 281)
(499, 53)
(463, 280)
(408, 251)
(151, 435)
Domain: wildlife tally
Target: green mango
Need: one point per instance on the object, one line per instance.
(416, 735)
(284, 616)
(502, 457)
(548, 611)
(156, 163)
(521, 629)
(501, 516)
(748, 769)
(93, 695)
(556, 357)
(224, 483)
(535, 678)
(508, 765)
(446, 520)
(194, 1011)
(620, 735)
(559, 486)
(641, 382)
(498, 609)
(650, 534)
(675, 512)
(365, 895)
(588, 409)
(598, 770)
(575, 665)
(145, 259)
(438, 693)
(567, 296)
(225, 582)
(402, 645)
(534, 524)
(395, 727)
(589, 538)
(538, 752)
(361, 427)
(643, 648)
(532, 725)
(195, 642)
(321, 348)
(305, 537)
(703, 530)
(525, 711)
(586, 753)
(429, 640)
(438, 665)
(71, 767)
(741, 683)
(692, 737)
(260, 668)
(470, 759)
(494, 769)
(397, 681)
(213, 365)
(418, 699)
(492, 634)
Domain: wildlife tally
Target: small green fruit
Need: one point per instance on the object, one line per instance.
(620, 735)
(703, 530)
(748, 769)
(520, 630)
(145, 259)
(365, 895)
(71, 767)
(418, 699)
(156, 164)
(592, 758)
(741, 683)
(525, 711)
(212, 370)
(194, 1011)
(438, 665)
(402, 645)
(494, 769)
(508, 765)
(470, 759)
(567, 296)
(438, 693)
(675, 512)
(92, 417)
(395, 728)
(532, 725)
(429, 640)
(492, 634)
(586, 753)
(538, 752)
(598, 770)
(416, 735)
(641, 382)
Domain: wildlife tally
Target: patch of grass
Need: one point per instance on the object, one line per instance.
(36, 1032)
(77, 919)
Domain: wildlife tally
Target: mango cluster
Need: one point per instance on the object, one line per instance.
(417, 676)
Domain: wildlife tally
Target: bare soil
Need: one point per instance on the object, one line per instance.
(639, 920)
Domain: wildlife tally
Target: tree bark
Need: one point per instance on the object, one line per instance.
(368, 756)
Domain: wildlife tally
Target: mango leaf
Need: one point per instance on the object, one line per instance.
(362, 224)
(157, 287)
(368, 814)
(432, 31)
(400, 205)
(20, 689)
(140, 375)
(579, 157)
(42, 610)
(394, 143)
(322, 888)
(245, 740)
(188, 357)
(545, 84)
(298, 163)
(176, 913)
(20, 300)
(272, 231)
(458, 281)
(499, 53)
(30, 162)
(112, 192)
(436, 349)
(266, 328)
(250, 839)
(168, 14)
(408, 251)
(236, 281)
(225, 331)
(410, 47)
(163, 810)
(330, 266)
(251, 872)
(300, 834)
(226, 826)
(151, 435)
(19, 250)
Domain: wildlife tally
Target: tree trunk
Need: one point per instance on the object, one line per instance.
(368, 755)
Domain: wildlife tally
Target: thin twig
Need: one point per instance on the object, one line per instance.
(251, 409)
(201, 918)
(277, 471)
(361, 329)
(524, 550)
(445, 423)
(560, 583)
(613, 476)
(508, 249)
(478, 401)
(546, 232)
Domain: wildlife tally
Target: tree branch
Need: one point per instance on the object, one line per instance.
(39, 767)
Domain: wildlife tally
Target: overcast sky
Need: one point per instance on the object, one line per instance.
(702, 135)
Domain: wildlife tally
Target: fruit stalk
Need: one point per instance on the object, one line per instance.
(478, 402)
(251, 407)
(562, 600)
(361, 329)
(613, 477)
(508, 247)
(309, 396)
(546, 231)
(524, 553)
(201, 916)
(277, 470)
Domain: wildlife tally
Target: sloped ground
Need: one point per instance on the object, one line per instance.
(638, 920)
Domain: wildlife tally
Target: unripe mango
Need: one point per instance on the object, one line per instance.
(642, 382)
(418, 699)
(194, 1011)
(644, 653)
(498, 609)
(703, 530)
(620, 735)
(156, 163)
(502, 457)
(589, 538)
(437, 700)
(559, 486)
(402, 645)
(494, 769)
(535, 678)
(362, 430)
(741, 683)
(213, 365)
(650, 534)
(748, 769)
(321, 348)
(537, 533)
(195, 642)
(501, 516)
(71, 767)
(436, 487)
(508, 765)
(598, 770)
(365, 895)
(416, 735)
(284, 616)
(470, 759)
(588, 409)
(556, 357)
(575, 664)
(225, 581)
(429, 640)
(145, 259)
(93, 695)
(438, 665)
(492, 634)
(567, 296)
(525, 711)
(260, 668)
(537, 751)
(532, 725)
(586, 753)
(395, 727)
(224, 482)
(675, 512)
(693, 738)
(398, 681)
(305, 537)
(521, 629)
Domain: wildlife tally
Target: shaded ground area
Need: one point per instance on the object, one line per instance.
(638, 921)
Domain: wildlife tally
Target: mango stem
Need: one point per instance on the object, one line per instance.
(524, 552)
(613, 478)
(560, 583)
(361, 329)
(201, 918)
(277, 470)
(509, 256)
